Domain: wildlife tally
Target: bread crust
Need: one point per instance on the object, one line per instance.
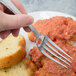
(24, 68)
(32, 68)
(16, 57)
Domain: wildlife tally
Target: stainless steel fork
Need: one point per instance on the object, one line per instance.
(45, 40)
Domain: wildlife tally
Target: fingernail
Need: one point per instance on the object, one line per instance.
(29, 20)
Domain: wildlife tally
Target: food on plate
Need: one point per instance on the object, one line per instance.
(56, 27)
(12, 58)
(24, 68)
(62, 30)
(12, 50)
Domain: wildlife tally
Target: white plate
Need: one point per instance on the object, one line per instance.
(40, 15)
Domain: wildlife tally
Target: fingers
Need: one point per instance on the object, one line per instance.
(4, 34)
(15, 32)
(8, 22)
(19, 6)
(27, 29)
(14, 22)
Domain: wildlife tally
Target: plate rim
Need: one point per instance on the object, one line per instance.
(69, 15)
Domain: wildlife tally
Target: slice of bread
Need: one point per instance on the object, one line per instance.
(12, 50)
(24, 68)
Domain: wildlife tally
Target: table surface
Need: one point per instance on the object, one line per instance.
(65, 6)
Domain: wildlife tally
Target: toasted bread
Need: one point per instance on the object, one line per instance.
(12, 50)
(23, 68)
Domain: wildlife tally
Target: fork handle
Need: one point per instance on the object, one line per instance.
(13, 8)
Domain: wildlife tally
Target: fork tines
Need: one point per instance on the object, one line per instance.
(47, 47)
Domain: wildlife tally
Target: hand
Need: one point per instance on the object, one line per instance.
(10, 23)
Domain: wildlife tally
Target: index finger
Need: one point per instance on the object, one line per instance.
(19, 6)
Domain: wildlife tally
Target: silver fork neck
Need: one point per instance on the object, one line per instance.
(34, 31)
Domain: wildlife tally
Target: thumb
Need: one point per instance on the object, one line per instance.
(8, 22)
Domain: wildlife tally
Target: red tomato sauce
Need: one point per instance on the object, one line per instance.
(61, 30)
